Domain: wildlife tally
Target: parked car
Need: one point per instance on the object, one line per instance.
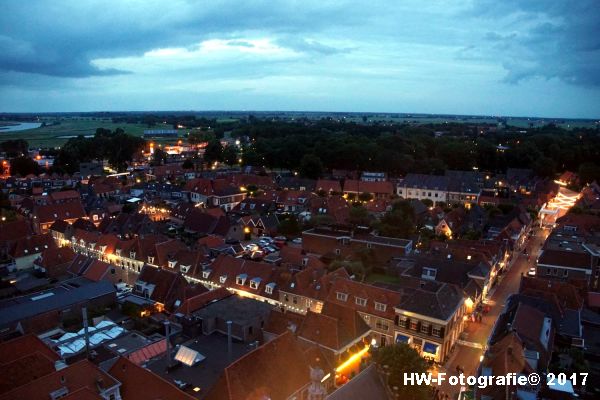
(297, 241)
(268, 239)
(270, 249)
(531, 271)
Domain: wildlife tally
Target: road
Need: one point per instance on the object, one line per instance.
(477, 333)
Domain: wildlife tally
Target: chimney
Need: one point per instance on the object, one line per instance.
(229, 349)
(86, 332)
(168, 340)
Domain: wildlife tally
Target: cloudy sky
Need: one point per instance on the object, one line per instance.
(509, 57)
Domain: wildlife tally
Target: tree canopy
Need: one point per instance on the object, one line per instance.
(398, 359)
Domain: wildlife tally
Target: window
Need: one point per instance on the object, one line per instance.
(172, 264)
(254, 283)
(360, 301)
(341, 296)
(548, 272)
(222, 278)
(382, 325)
(369, 245)
(565, 273)
(206, 273)
(424, 327)
(436, 331)
(150, 260)
(403, 322)
(295, 300)
(241, 279)
(269, 288)
(337, 252)
(414, 325)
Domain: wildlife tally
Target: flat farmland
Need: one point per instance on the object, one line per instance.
(58, 130)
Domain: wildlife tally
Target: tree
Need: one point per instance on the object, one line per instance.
(159, 157)
(197, 137)
(230, 155)
(589, 172)
(399, 359)
(24, 166)
(399, 222)
(187, 164)
(14, 148)
(358, 216)
(364, 197)
(311, 166)
(289, 226)
(213, 152)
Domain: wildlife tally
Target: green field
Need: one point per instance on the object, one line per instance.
(56, 135)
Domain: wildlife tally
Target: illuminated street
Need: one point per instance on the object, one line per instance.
(467, 355)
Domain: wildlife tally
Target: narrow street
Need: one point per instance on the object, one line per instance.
(476, 334)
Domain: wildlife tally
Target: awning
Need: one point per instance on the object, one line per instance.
(430, 348)
(402, 339)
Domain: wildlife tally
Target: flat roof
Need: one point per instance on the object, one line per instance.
(240, 310)
(57, 298)
(206, 373)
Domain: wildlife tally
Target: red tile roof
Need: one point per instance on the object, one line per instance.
(16, 348)
(51, 212)
(14, 230)
(64, 195)
(32, 244)
(275, 371)
(140, 383)
(97, 270)
(372, 294)
(197, 302)
(55, 256)
(335, 327)
(328, 185)
(149, 352)
(74, 377)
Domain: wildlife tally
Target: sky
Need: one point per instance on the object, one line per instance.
(489, 57)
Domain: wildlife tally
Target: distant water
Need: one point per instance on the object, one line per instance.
(20, 126)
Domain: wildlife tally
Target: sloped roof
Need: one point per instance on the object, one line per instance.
(371, 293)
(265, 372)
(335, 327)
(139, 383)
(79, 375)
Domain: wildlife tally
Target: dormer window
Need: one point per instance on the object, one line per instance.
(118, 251)
(360, 301)
(150, 260)
(222, 278)
(184, 268)
(380, 306)
(341, 296)
(255, 283)
(132, 254)
(429, 273)
(305, 261)
(172, 264)
(269, 288)
(241, 279)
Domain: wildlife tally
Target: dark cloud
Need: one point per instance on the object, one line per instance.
(548, 39)
(62, 38)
